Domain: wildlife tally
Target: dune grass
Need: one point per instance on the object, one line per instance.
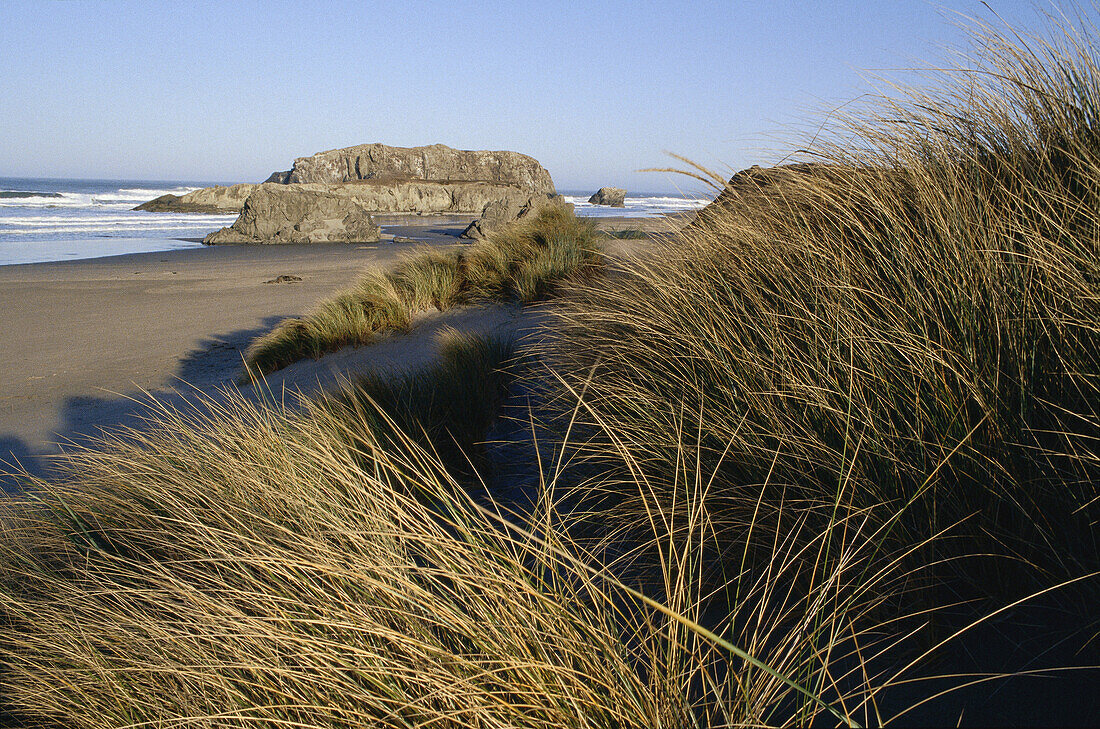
(446, 408)
(247, 566)
(915, 313)
(248, 570)
(520, 262)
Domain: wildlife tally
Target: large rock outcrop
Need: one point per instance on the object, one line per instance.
(216, 200)
(325, 197)
(434, 163)
(299, 214)
(614, 197)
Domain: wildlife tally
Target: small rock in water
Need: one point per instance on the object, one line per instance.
(285, 278)
(614, 197)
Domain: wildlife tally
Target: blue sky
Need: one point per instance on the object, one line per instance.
(594, 90)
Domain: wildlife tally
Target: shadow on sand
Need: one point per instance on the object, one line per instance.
(201, 376)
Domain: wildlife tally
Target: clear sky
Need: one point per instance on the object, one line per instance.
(594, 90)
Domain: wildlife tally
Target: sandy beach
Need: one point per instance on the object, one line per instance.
(82, 337)
(84, 340)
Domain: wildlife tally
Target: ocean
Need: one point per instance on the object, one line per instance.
(636, 205)
(62, 219)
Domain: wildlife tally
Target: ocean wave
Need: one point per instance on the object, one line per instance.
(147, 219)
(638, 206)
(137, 195)
(47, 232)
(60, 232)
(123, 198)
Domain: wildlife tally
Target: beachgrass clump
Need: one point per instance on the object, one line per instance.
(358, 315)
(430, 280)
(526, 260)
(520, 262)
(242, 565)
(914, 313)
(247, 568)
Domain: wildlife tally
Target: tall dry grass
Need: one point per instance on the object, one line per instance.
(247, 569)
(916, 313)
(244, 565)
(842, 377)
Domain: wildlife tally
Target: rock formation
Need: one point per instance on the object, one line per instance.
(286, 204)
(614, 197)
(498, 213)
(369, 178)
(434, 163)
(298, 214)
(788, 185)
(217, 199)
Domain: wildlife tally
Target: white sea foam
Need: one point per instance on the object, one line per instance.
(137, 195)
(114, 230)
(65, 219)
(122, 198)
(146, 219)
(637, 206)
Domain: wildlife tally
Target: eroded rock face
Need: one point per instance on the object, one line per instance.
(614, 197)
(215, 200)
(282, 178)
(435, 163)
(498, 213)
(428, 197)
(276, 213)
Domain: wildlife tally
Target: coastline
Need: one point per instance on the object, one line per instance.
(85, 337)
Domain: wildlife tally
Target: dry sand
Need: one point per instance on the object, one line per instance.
(83, 340)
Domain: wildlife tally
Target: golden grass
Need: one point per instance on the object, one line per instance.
(915, 313)
(843, 377)
(251, 566)
(522, 261)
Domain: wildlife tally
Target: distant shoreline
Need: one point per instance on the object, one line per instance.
(53, 219)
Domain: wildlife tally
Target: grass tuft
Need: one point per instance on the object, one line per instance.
(521, 262)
